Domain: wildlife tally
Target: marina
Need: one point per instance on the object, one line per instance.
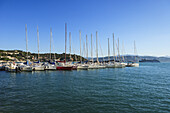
(84, 56)
(67, 64)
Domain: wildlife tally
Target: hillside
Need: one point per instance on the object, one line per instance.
(19, 55)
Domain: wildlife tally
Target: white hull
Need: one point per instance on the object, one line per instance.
(83, 67)
(119, 66)
(124, 64)
(110, 65)
(92, 67)
(50, 67)
(38, 68)
(115, 65)
(133, 65)
(12, 68)
(96, 67)
(26, 68)
(101, 67)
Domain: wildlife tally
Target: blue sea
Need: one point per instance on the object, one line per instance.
(132, 89)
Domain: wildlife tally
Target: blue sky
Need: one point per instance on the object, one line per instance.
(145, 21)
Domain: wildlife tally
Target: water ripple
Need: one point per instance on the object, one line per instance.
(143, 89)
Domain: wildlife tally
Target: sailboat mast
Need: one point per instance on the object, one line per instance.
(50, 41)
(80, 46)
(38, 40)
(119, 51)
(115, 52)
(113, 48)
(84, 53)
(26, 40)
(108, 51)
(92, 47)
(123, 57)
(86, 47)
(65, 40)
(135, 50)
(97, 48)
(70, 43)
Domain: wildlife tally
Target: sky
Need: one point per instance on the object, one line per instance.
(147, 22)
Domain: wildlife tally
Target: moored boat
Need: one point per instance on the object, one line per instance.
(82, 66)
(50, 67)
(92, 66)
(132, 64)
(13, 68)
(74, 67)
(26, 68)
(38, 68)
(64, 67)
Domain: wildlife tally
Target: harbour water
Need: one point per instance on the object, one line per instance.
(132, 89)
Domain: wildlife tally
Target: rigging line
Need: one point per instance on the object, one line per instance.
(123, 59)
(101, 51)
(83, 41)
(135, 52)
(74, 50)
(124, 51)
(117, 50)
(53, 46)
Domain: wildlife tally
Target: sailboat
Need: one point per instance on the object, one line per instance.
(109, 64)
(26, 67)
(50, 65)
(37, 66)
(64, 66)
(81, 66)
(118, 64)
(136, 61)
(92, 65)
(74, 66)
(123, 57)
(114, 64)
(99, 66)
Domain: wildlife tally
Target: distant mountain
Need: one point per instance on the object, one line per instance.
(164, 59)
(132, 58)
